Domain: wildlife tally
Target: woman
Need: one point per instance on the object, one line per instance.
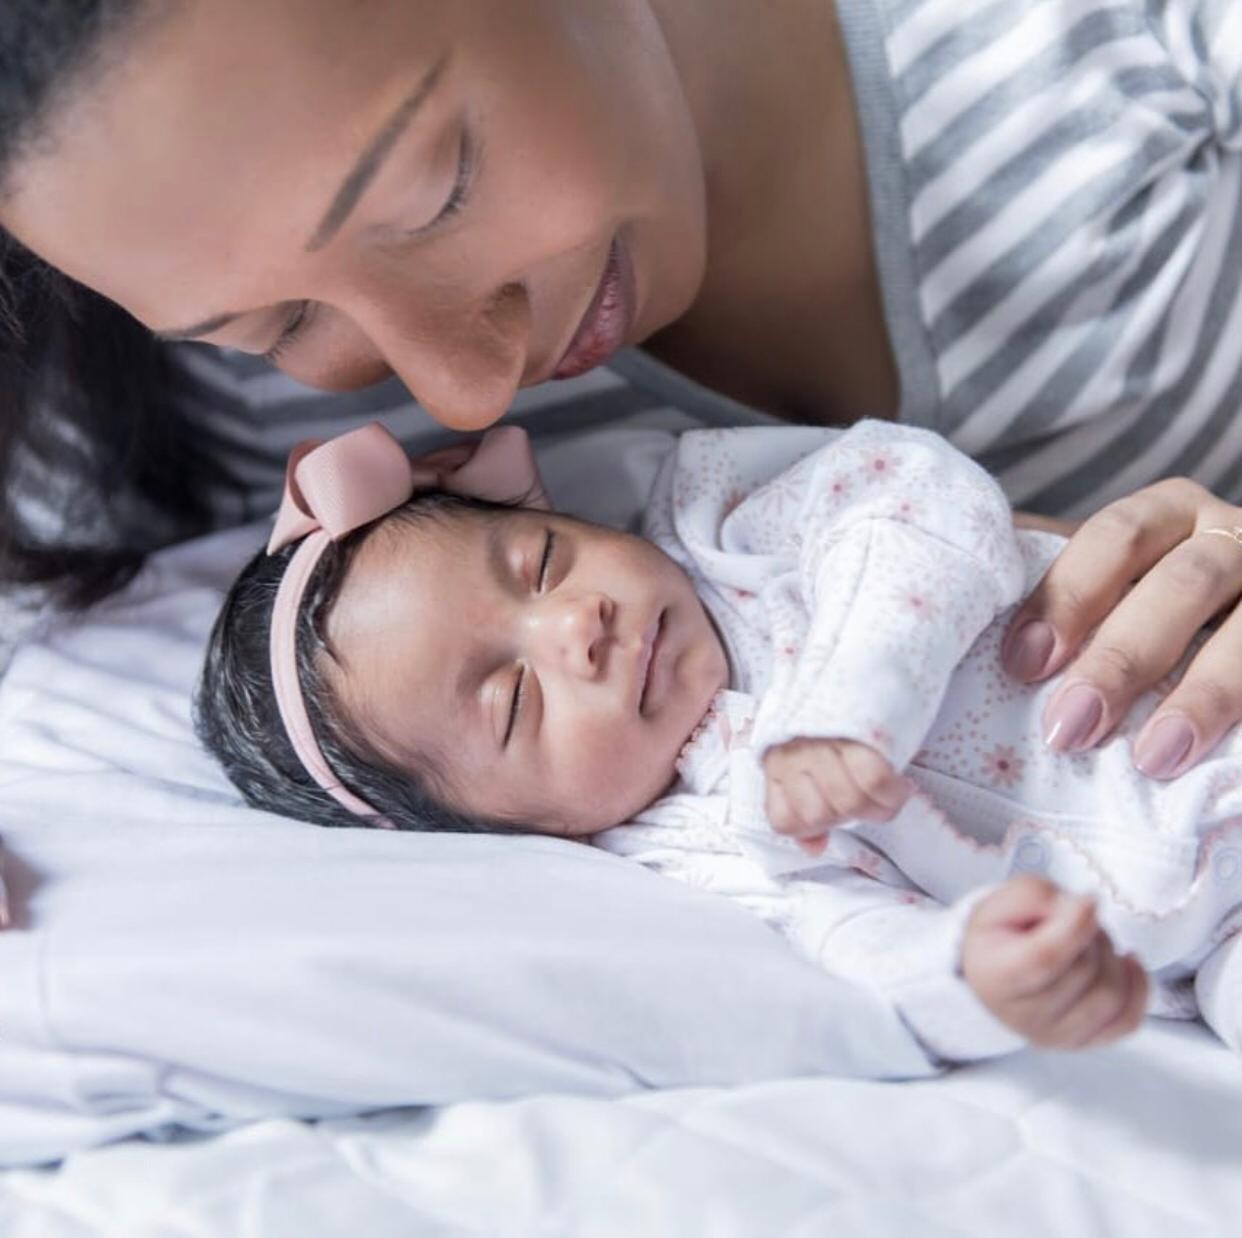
(478, 197)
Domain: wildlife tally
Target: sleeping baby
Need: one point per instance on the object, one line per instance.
(788, 691)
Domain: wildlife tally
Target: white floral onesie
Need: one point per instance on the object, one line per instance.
(861, 580)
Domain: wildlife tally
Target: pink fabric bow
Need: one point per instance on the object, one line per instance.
(346, 482)
(333, 488)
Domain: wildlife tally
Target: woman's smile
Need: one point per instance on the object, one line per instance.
(608, 319)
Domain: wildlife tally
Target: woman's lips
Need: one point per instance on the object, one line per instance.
(607, 320)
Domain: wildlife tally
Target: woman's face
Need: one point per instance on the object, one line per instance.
(474, 194)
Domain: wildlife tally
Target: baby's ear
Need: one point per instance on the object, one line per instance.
(500, 467)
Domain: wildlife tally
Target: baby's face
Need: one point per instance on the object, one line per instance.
(551, 669)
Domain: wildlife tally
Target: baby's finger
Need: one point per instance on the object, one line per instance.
(1132, 1012)
(1096, 1010)
(881, 789)
(814, 846)
(1037, 958)
(1196, 715)
(1049, 1005)
(778, 808)
(812, 811)
(839, 786)
(782, 811)
(1143, 639)
(1111, 549)
(1021, 903)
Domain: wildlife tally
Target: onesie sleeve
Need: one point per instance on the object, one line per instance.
(905, 552)
(907, 946)
(1203, 40)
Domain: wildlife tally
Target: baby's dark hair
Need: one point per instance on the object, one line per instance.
(235, 711)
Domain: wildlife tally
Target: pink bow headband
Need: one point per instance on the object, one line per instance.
(334, 488)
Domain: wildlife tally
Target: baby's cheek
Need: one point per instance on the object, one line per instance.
(616, 776)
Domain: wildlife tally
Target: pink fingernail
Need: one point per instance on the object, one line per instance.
(1070, 721)
(1164, 746)
(1029, 650)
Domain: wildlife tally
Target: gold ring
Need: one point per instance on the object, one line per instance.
(1234, 534)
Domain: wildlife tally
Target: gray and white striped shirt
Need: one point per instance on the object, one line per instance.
(1055, 190)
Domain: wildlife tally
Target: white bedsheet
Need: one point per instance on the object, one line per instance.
(1143, 1140)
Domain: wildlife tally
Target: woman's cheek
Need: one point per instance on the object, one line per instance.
(340, 357)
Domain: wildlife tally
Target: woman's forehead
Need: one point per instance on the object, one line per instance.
(219, 130)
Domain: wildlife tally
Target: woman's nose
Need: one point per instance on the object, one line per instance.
(463, 362)
(572, 633)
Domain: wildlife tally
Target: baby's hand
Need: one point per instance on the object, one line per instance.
(1040, 962)
(814, 784)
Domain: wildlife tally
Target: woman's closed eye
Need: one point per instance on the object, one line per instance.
(299, 320)
(295, 326)
(467, 169)
(520, 686)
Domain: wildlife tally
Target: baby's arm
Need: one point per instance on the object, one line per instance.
(907, 552)
(1022, 962)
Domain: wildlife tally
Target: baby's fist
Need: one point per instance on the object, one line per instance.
(814, 784)
(1038, 959)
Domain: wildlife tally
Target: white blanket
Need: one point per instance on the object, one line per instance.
(1142, 1140)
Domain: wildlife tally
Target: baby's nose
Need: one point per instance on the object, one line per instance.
(575, 633)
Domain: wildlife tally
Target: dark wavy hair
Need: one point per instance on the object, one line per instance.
(236, 716)
(87, 401)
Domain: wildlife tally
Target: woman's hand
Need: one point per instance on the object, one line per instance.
(1150, 570)
(1039, 961)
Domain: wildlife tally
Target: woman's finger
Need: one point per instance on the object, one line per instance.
(1143, 640)
(1196, 715)
(1090, 576)
(1046, 524)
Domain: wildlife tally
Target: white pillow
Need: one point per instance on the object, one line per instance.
(179, 958)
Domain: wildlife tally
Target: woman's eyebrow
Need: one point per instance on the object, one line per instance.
(373, 158)
(350, 193)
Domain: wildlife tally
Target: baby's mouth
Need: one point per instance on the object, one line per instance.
(647, 657)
